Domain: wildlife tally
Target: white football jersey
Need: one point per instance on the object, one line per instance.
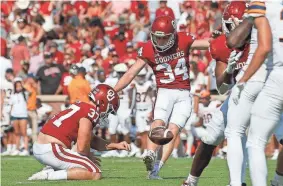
(273, 10)
(207, 112)
(8, 87)
(143, 100)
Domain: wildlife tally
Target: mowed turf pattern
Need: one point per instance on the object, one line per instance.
(121, 172)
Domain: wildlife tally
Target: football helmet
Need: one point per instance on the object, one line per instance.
(141, 77)
(236, 9)
(163, 33)
(106, 99)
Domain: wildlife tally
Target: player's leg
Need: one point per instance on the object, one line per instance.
(278, 177)
(17, 136)
(162, 110)
(237, 123)
(181, 112)
(68, 164)
(176, 146)
(112, 129)
(125, 124)
(23, 130)
(266, 113)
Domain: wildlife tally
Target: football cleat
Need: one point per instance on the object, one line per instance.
(24, 153)
(185, 183)
(153, 176)
(149, 160)
(6, 153)
(42, 175)
(15, 153)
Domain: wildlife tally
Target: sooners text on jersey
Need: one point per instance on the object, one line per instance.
(171, 68)
(64, 126)
(220, 52)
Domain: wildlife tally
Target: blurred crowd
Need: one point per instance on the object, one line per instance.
(69, 47)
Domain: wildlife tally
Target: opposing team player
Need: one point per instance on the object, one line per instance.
(121, 123)
(168, 55)
(75, 124)
(228, 63)
(145, 97)
(268, 106)
(206, 108)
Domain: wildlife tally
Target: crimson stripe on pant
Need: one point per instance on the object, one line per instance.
(79, 157)
(69, 161)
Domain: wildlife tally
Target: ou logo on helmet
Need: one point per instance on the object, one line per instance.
(110, 95)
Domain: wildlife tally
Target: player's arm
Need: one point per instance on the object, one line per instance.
(201, 44)
(223, 79)
(100, 144)
(84, 137)
(237, 38)
(128, 77)
(264, 38)
(132, 98)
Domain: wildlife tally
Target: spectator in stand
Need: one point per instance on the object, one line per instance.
(3, 45)
(100, 77)
(120, 43)
(164, 10)
(19, 52)
(86, 51)
(96, 29)
(79, 87)
(215, 15)
(36, 60)
(19, 117)
(75, 45)
(142, 21)
(97, 52)
(22, 28)
(49, 76)
(58, 56)
(24, 72)
(68, 75)
(31, 86)
(43, 112)
(188, 13)
(130, 53)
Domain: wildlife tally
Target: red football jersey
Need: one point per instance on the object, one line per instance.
(64, 126)
(171, 68)
(220, 52)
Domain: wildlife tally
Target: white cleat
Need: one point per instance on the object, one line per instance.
(134, 152)
(42, 175)
(123, 154)
(149, 160)
(275, 155)
(6, 153)
(138, 155)
(109, 154)
(15, 153)
(24, 153)
(175, 155)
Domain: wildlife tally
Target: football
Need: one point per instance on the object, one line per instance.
(160, 135)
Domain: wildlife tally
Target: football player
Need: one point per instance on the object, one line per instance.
(121, 122)
(75, 124)
(228, 63)
(145, 96)
(167, 53)
(206, 108)
(266, 50)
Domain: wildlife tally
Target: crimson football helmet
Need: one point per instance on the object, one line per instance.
(236, 9)
(106, 99)
(163, 33)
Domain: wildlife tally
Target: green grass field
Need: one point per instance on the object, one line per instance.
(120, 172)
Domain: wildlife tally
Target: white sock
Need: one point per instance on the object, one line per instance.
(9, 147)
(57, 175)
(258, 167)
(278, 178)
(235, 158)
(175, 151)
(190, 141)
(14, 147)
(192, 179)
(245, 160)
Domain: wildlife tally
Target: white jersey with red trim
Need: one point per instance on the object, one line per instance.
(143, 99)
(207, 112)
(171, 68)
